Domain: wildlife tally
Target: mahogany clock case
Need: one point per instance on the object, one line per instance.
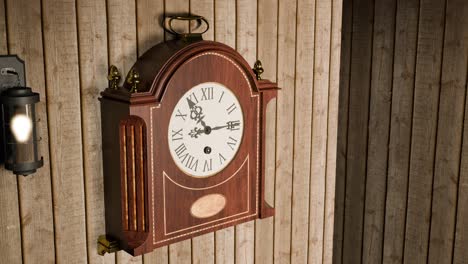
(148, 198)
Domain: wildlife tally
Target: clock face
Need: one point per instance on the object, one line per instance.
(205, 129)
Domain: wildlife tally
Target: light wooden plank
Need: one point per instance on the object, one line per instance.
(267, 37)
(379, 129)
(333, 111)
(63, 94)
(426, 99)
(246, 45)
(449, 132)
(224, 244)
(10, 228)
(177, 7)
(180, 252)
(121, 15)
(92, 26)
(400, 132)
(149, 16)
(345, 66)
(122, 34)
(225, 22)
(3, 29)
(204, 8)
(150, 33)
(284, 124)
(318, 158)
(302, 135)
(203, 247)
(363, 13)
(225, 32)
(157, 256)
(35, 194)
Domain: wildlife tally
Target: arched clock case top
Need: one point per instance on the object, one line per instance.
(149, 201)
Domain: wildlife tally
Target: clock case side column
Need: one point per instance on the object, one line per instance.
(112, 112)
(268, 91)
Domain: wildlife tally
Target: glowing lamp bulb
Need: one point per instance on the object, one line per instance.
(21, 127)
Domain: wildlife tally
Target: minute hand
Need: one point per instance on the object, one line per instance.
(231, 125)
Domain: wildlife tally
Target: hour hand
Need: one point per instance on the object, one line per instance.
(196, 112)
(194, 133)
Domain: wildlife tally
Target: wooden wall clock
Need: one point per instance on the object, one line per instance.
(183, 144)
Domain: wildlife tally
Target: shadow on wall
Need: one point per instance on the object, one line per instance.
(401, 188)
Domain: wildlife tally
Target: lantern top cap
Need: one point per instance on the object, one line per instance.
(19, 96)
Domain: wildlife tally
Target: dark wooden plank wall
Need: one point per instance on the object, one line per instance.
(402, 151)
(56, 215)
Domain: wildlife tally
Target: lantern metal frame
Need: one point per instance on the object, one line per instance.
(15, 99)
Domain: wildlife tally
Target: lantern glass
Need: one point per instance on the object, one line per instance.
(19, 130)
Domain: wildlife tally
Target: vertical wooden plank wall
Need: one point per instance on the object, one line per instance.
(57, 214)
(35, 194)
(402, 197)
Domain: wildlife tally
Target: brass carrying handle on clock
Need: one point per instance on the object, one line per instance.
(167, 25)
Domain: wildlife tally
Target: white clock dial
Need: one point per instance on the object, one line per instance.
(205, 129)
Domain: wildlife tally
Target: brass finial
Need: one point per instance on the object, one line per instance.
(114, 77)
(133, 78)
(258, 69)
(106, 245)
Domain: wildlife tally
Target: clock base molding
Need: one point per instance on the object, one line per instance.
(183, 145)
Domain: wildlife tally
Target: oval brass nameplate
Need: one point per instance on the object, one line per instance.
(208, 205)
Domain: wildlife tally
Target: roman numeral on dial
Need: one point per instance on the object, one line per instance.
(192, 97)
(179, 114)
(232, 142)
(207, 93)
(189, 161)
(222, 159)
(231, 108)
(177, 134)
(208, 165)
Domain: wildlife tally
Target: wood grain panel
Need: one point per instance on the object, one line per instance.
(10, 227)
(63, 86)
(284, 125)
(400, 129)
(379, 129)
(35, 195)
(449, 133)
(267, 38)
(332, 138)
(361, 53)
(246, 45)
(425, 107)
(303, 103)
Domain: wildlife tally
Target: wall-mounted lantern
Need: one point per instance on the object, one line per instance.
(18, 122)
